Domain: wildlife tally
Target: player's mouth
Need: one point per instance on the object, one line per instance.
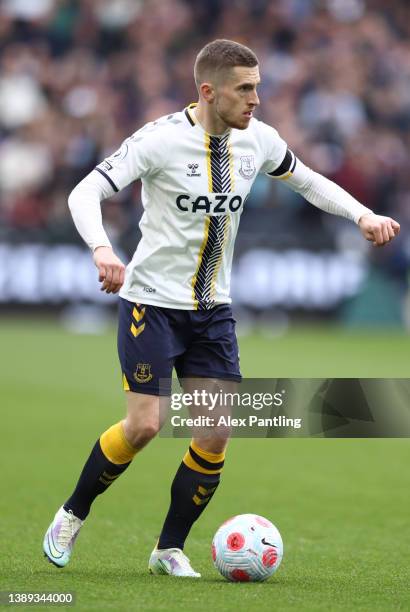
(248, 114)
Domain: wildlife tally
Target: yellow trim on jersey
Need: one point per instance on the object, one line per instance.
(208, 161)
(218, 263)
(231, 170)
(280, 178)
(286, 176)
(190, 108)
(201, 252)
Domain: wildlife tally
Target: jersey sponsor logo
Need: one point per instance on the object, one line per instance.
(143, 373)
(149, 289)
(218, 204)
(247, 169)
(192, 170)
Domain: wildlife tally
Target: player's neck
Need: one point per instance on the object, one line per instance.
(211, 124)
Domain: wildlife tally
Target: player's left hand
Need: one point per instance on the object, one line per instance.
(378, 229)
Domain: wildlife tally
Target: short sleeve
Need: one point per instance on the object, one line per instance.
(273, 146)
(141, 155)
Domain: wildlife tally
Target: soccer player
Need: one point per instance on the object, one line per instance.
(197, 167)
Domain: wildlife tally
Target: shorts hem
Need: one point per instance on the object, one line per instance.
(149, 391)
(218, 375)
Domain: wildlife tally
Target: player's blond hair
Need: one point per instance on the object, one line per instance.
(219, 56)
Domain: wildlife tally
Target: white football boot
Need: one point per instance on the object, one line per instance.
(172, 562)
(60, 537)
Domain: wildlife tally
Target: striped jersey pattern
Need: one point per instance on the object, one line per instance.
(191, 217)
(216, 227)
(218, 153)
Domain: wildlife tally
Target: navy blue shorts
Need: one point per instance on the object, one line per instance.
(153, 340)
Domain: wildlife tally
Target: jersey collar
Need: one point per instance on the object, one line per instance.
(190, 114)
(193, 121)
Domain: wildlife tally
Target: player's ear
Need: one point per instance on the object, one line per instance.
(207, 92)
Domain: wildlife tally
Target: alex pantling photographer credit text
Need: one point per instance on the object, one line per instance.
(261, 407)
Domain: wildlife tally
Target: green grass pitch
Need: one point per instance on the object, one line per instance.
(342, 506)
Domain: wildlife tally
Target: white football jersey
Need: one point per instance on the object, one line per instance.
(194, 188)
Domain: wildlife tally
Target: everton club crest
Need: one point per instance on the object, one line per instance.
(143, 373)
(247, 169)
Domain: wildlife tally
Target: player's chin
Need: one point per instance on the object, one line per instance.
(243, 122)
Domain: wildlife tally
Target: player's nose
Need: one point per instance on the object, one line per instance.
(254, 101)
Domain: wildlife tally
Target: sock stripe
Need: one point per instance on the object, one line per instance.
(200, 501)
(198, 464)
(97, 476)
(209, 465)
(191, 492)
(190, 463)
(203, 492)
(110, 476)
(105, 482)
(115, 445)
(207, 455)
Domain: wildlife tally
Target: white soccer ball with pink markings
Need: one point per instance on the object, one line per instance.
(247, 548)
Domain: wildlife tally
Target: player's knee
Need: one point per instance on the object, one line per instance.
(219, 438)
(213, 444)
(139, 434)
(148, 430)
(142, 421)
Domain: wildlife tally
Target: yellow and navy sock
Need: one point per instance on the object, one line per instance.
(110, 457)
(194, 484)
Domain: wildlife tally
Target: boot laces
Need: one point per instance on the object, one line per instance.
(69, 529)
(182, 559)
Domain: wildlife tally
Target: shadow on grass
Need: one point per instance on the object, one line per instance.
(114, 574)
(95, 573)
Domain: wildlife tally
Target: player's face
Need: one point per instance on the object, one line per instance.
(236, 97)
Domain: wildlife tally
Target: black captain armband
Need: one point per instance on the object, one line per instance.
(107, 166)
(286, 168)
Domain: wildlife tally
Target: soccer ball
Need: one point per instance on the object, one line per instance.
(247, 548)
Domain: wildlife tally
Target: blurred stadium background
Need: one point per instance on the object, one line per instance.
(312, 297)
(79, 76)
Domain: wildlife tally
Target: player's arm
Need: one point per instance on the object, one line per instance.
(85, 206)
(139, 156)
(330, 197)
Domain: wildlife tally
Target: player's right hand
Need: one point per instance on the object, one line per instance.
(111, 270)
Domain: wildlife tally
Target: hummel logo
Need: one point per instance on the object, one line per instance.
(192, 170)
(268, 543)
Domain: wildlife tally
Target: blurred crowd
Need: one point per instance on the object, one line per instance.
(79, 76)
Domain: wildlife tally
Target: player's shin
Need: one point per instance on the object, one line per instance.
(192, 489)
(110, 457)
